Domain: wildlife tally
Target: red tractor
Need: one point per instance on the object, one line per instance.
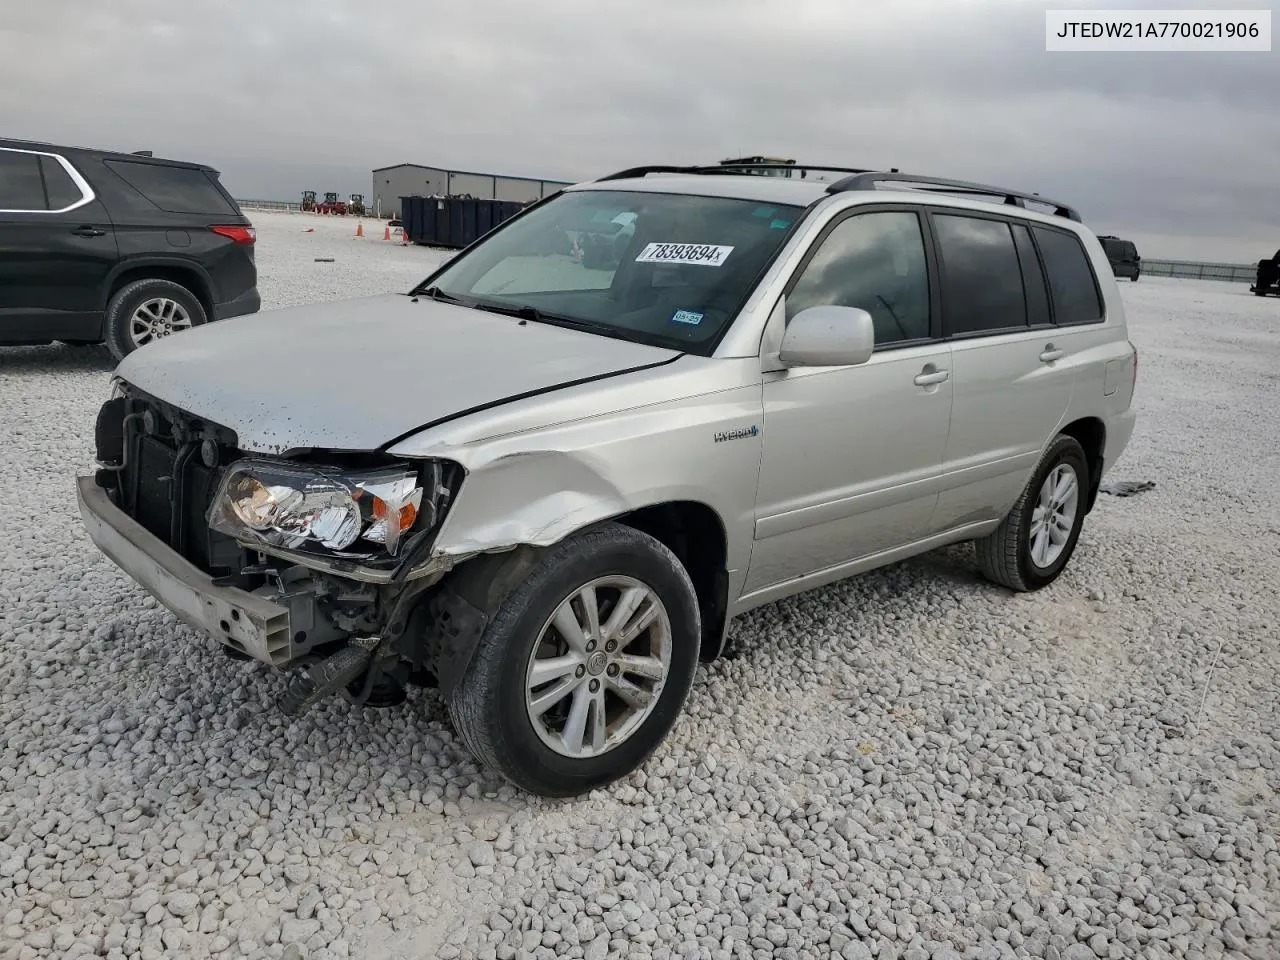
(332, 205)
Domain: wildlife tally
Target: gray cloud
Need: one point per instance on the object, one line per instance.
(1178, 149)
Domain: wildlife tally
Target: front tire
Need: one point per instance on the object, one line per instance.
(584, 669)
(1033, 543)
(146, 310)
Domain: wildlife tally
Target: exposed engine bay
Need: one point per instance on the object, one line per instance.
(323, 557)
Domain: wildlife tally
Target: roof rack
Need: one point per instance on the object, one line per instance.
(734, 167)
(635, 172)
(870, 180)
(861, 179)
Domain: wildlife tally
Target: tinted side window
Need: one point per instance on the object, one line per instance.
(59, 186)
(874, 261)
(1032, 277)
(20, 186)
(1071, 280)
(174, 189)
(982, 282)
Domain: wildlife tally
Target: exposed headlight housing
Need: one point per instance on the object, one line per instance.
(355, 514)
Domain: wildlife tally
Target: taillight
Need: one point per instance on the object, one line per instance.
(241, 235)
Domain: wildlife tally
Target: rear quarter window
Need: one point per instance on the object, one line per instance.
(174, 189)
(61, 189)
(1072, 285)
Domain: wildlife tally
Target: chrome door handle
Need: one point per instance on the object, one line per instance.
(931, 377)
(1051, 353)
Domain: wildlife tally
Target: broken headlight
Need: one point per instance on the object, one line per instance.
(359, 514)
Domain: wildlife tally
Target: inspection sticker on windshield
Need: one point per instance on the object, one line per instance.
(687, 316)
(706, 254)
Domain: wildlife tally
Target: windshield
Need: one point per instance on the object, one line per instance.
(666, 269)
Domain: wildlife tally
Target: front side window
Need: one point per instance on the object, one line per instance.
(874, 261)
(666, 269)
(20, 185)
(982, 281)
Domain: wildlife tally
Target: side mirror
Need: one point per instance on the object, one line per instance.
(828, 337)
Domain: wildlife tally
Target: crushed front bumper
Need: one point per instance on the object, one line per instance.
(244, 621)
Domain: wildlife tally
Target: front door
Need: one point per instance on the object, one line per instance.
(852, 455)
(57, 246)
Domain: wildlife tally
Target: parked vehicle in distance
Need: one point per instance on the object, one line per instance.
(546, 487)
(332, 206)
(1123, 257)
(118, 248)
(1267, 281)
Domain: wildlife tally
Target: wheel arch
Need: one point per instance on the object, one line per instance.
(1091, 434)
(695, 533)
(454, 613)
(185, 273)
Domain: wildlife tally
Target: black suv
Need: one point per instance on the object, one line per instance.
(117, 248)
(1123, 255)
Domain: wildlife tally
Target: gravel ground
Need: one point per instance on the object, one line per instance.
(911, 765)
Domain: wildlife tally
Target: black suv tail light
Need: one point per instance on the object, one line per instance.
(241, 235)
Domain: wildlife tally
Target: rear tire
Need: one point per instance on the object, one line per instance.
(494, 704)
(169, 307)
(1033, 543)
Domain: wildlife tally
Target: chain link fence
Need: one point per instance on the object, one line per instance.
(1194, 270)
(268, 205)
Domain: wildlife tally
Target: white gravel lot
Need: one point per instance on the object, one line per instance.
(910, 765)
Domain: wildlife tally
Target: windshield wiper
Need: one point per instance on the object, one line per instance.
(529, 312)
(523, 312)
(435, 293)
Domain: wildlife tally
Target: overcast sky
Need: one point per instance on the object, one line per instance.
(1178, 151)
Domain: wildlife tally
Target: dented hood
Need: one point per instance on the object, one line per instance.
(357, 374)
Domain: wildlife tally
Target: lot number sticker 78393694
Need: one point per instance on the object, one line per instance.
(707, 254)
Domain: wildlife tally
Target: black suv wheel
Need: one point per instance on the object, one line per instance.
(146, 310)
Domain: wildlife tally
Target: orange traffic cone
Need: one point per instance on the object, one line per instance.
(360, 229)
(386, 232)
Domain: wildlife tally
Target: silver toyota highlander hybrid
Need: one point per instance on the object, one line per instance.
(544, 482)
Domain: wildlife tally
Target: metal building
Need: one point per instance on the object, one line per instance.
(416, 180)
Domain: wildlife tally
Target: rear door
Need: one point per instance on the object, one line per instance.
(1012, 368)
(57, 248)
(166, 211)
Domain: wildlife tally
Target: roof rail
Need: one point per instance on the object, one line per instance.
(632, 172)
(730, 167)
(860, 179)
(870, 180)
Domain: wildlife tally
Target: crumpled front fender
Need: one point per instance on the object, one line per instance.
(527, 498)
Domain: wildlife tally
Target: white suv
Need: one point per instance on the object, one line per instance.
(545, 486)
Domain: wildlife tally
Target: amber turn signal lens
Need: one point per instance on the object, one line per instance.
(408, 513)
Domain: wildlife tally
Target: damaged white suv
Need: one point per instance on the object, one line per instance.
(545, 483)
